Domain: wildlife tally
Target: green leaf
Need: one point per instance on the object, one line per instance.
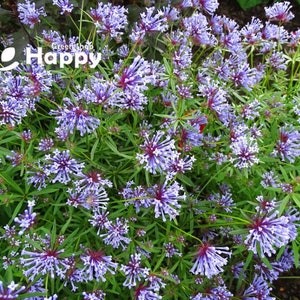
(245, 4)
(11, 183)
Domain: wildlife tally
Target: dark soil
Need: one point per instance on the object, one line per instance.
(287, 287)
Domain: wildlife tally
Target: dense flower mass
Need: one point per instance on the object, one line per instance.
(147, 151)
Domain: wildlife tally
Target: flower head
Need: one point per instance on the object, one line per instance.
(133, 271)
(109, 20)
(115, 234)
(96, 265)
(62, 166)
(268, 231)
(11, 291)
(72, 116)
(209, 261)
(65, 6)
(165, 199)
(28, 14)
(157, 154)
(47, 260)
(280, 12)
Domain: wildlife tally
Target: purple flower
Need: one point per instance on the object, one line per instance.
(88, 198)
(96, 265)
(259, 289)
(62, 166)
(16, 158)
(146, 293)
(277, 61)
(38, 177)
(74, 274)
(65, 6)
(217, 293)
(27, 219)
(209, 261)
(252, 31)
(156, 282)
(136, 196)
(72, 116)
(157, 155)
(269, 274)
(266, 232)
(165, 199)
(11, 292)
(26, 135)
(115, 234)
(109, 20)
(280, 12)
(149, 23)
(196, 27)
(209, 6)
(216, 100)
(133, 271)
(95, 295)
(135, 76)
(244, 151)
(46, 144)
(28, 14)
(288, 146)
(43, 261)
(171, 250)
(100, 92)
(100, 220)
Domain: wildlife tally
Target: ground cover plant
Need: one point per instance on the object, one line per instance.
(151, 154)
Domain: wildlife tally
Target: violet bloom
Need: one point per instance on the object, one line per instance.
(266, 232)
(88, 198)
(46, 144)
(244, 152)
(280, 12)
(209, 261)
(171, 250)
(165, 199)
(95, 295)
(133, 271)
(157, 154)
(65, 6)
(144, 292)
(28, 14)
(252, 31)
(27, 219)
(26, 135)
(100, 92)
(288, 146)
(150, 22)
(11, 291)
(100, 220)
(37, 177)
(62, 166)
(48, 260)
(196, 27)
(136, 196)
(115, 234)
(72, 116)
(135, 76)
(109, 20)
(259, 289)
(216, 293)
(96, 265)
(209, 6)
